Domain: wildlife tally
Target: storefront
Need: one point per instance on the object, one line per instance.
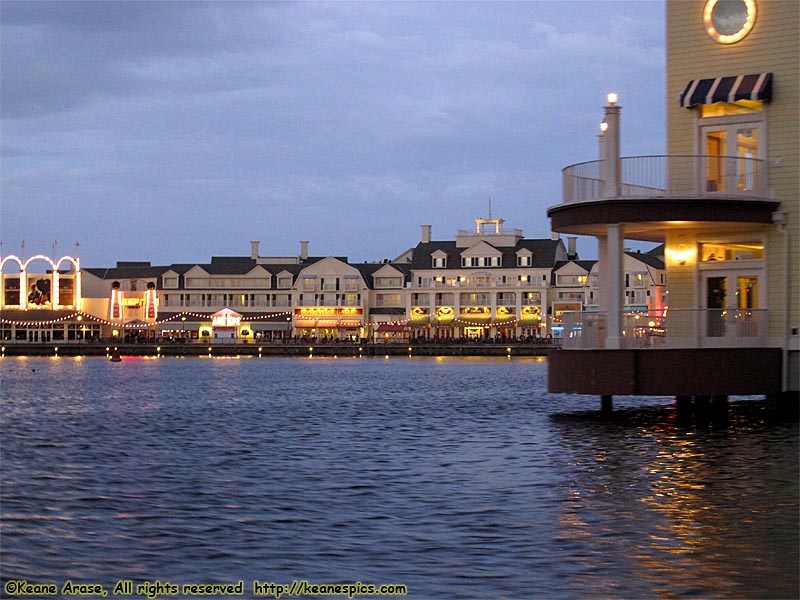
(391, 332)
(329, 322)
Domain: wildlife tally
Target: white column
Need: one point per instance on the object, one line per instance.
(54, 293)
(614, 285)
(23, 290)
(610, 147)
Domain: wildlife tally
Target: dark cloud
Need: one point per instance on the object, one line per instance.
(334, 122)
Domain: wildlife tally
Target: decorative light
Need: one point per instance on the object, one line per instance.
(603, 126)
(732, 36)
(612, 98)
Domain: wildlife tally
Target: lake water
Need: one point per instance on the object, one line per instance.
(459, 478)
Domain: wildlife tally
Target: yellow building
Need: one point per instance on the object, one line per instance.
(724, 200)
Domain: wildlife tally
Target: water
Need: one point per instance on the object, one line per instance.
(460, 478)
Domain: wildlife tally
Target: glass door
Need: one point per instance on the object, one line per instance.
(732, 153)
(731, 302)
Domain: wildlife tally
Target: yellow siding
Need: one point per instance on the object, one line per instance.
(772, 46)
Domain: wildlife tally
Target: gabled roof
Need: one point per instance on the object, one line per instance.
(481, 248)
(544, 253)
(586, 265)
(648, 259)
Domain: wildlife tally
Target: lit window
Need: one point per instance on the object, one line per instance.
(725, 109)
(725, 251)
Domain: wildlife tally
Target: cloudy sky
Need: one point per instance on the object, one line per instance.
(175, 131)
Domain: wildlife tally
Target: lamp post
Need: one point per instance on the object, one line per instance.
(183, 329)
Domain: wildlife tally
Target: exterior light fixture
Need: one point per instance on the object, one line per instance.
(603, 127)
(612, 98)
(728, 21)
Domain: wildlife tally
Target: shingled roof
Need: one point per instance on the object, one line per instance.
(544, 253)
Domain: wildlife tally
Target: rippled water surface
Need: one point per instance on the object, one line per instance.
(460, 478)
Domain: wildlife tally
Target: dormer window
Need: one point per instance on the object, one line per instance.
(524, 261)
(480, 261)
(439, 262)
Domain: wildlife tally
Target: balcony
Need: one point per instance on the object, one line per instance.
(709, 328)
(648, 193)
(689, 353)
(668, 176)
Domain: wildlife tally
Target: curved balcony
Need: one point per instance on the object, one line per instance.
(662, 189)
(674, 175)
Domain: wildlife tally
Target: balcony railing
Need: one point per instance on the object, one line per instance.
(674, 175)
(681, 328)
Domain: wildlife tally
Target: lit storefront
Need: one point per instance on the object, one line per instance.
(337, 322)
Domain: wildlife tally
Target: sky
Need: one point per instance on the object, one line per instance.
(172, 132)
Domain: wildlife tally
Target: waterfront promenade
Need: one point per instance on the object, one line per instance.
(299, 347)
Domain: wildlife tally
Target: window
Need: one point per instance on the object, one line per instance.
(170, 282)
(439, 262)
(474, 299)
(309, 285)
(571, 279)
(480, 261)
(508, 298)
(725, 109)
(388, 300)
(389, 282)
(285, 282)
(637, 279)
(351, 299)
(445, 299)
(570, 295)
(524, 261)
(731, 251)
(281, 300)
(531, 298)
(418, 299)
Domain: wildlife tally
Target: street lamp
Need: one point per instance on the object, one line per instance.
(183, 329)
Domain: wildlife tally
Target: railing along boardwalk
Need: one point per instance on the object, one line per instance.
(539, 347)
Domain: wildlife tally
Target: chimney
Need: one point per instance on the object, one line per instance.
(303, 250)
(554, 235)
(254, 250)
(426, 234)
(572, 252)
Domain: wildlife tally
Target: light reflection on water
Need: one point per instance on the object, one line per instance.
(460, 478)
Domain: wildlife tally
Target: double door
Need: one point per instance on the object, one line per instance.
(731, 301)
(732, 154)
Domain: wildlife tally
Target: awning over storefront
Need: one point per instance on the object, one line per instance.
(727, 89)
(391, 328)
(326, 324)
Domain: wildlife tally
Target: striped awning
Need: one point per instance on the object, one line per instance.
(727, 89)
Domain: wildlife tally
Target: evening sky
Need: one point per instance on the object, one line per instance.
(171, 132)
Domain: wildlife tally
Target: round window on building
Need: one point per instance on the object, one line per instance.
(728, 21)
